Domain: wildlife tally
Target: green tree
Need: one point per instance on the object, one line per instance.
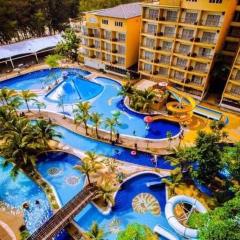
(82, 114)
(231, 158)
(28, 96)
(68, 47)
(110, 123)
(209, 162)
(6, 95)
(95, 232)
(222, 223)
(137, 231)
(40, 105)
(105, 192)
(169, 137)
(96, 119)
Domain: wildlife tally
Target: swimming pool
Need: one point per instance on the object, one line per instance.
(101, 92)
(21, 190)
(128, 207)
(87, 144)
(38, 79)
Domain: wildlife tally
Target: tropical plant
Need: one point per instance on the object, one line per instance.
(68, 47)
(111, 124)
(40, 105)
(105, 192)
(231, 159)
(96, 119)
(6, 95)
(174, 180)
(209, 160)
(45, 131)
(53, 60)
(221, 223)
(82, 114)
(28, 96)
(95, 233)
(217, 126)
(169, 137)
(137, 231)
(90, 156)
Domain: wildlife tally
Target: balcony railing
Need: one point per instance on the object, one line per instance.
(185, 37)
(210, 23)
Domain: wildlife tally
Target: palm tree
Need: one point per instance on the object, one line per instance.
(148, 97)
(95, 233)
(6, 95)
(111, 123)
(40, 105)
(96, 118)
(46, 132)
(175, 180)
(15, 103)
(90, 156)
(127, 90)
(85, 168)
(27, 96)
(169, 137)
(82, 114)
(105, 192)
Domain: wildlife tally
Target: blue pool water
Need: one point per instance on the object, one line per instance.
(21, 190)
(38, 79)
(58, 169)
(74, 89)
(86, 144)
(101, 92)
(123, 213)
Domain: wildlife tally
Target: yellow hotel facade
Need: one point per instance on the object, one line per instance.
(179, 39)
(231, 95)
(110, 38)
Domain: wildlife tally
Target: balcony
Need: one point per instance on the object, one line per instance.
(114, 51)
(187, 20)
(185, 37)
(169, 34)
(210, 23)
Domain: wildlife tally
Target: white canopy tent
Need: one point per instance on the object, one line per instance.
(27, 48)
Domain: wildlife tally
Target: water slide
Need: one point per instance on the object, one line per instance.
(174, 222)
(181, 110)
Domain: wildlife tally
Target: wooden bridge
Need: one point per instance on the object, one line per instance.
(64, 216)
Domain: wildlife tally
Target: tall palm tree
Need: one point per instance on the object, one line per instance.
(95, 233)
(46, 132)
(85, 168)
(111, 124)
(82, 114)
(15, 103)
(90, 156)
(127, 90)
(148, 97)
(6, 95)
(105, 192)
(96, 118)
(28, 96)
(40, 105)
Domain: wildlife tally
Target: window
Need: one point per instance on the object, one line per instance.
(190, 17)
(197, 80)
(147, 67)
(215, 1)
(165, 59)
(169, 31)
(96, 33)
(171, 16)
(205, 52)
(184, 48)
(96, 44)
(148, 55)
(153, 14)
(107, 46)
(107, 35)
(104, 21)
(98, 54)
(118, 24)
(200, 67)
(149, 42)
(167, 45)
(208, 37)
(151, 28)
(213, 20)
(234, 32)
(108, 57)
(181, 62)
(121, 60)
(121, 49)
(163, 71)
(122, 37)
(235, 90)
(179, 75)
(187, 34)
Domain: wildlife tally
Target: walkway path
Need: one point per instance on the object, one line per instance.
(64, 216)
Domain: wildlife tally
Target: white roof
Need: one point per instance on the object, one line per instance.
(29, 46)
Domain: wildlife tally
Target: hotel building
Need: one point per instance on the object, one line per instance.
(110, 38)
(179, 39)
(231, 95)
